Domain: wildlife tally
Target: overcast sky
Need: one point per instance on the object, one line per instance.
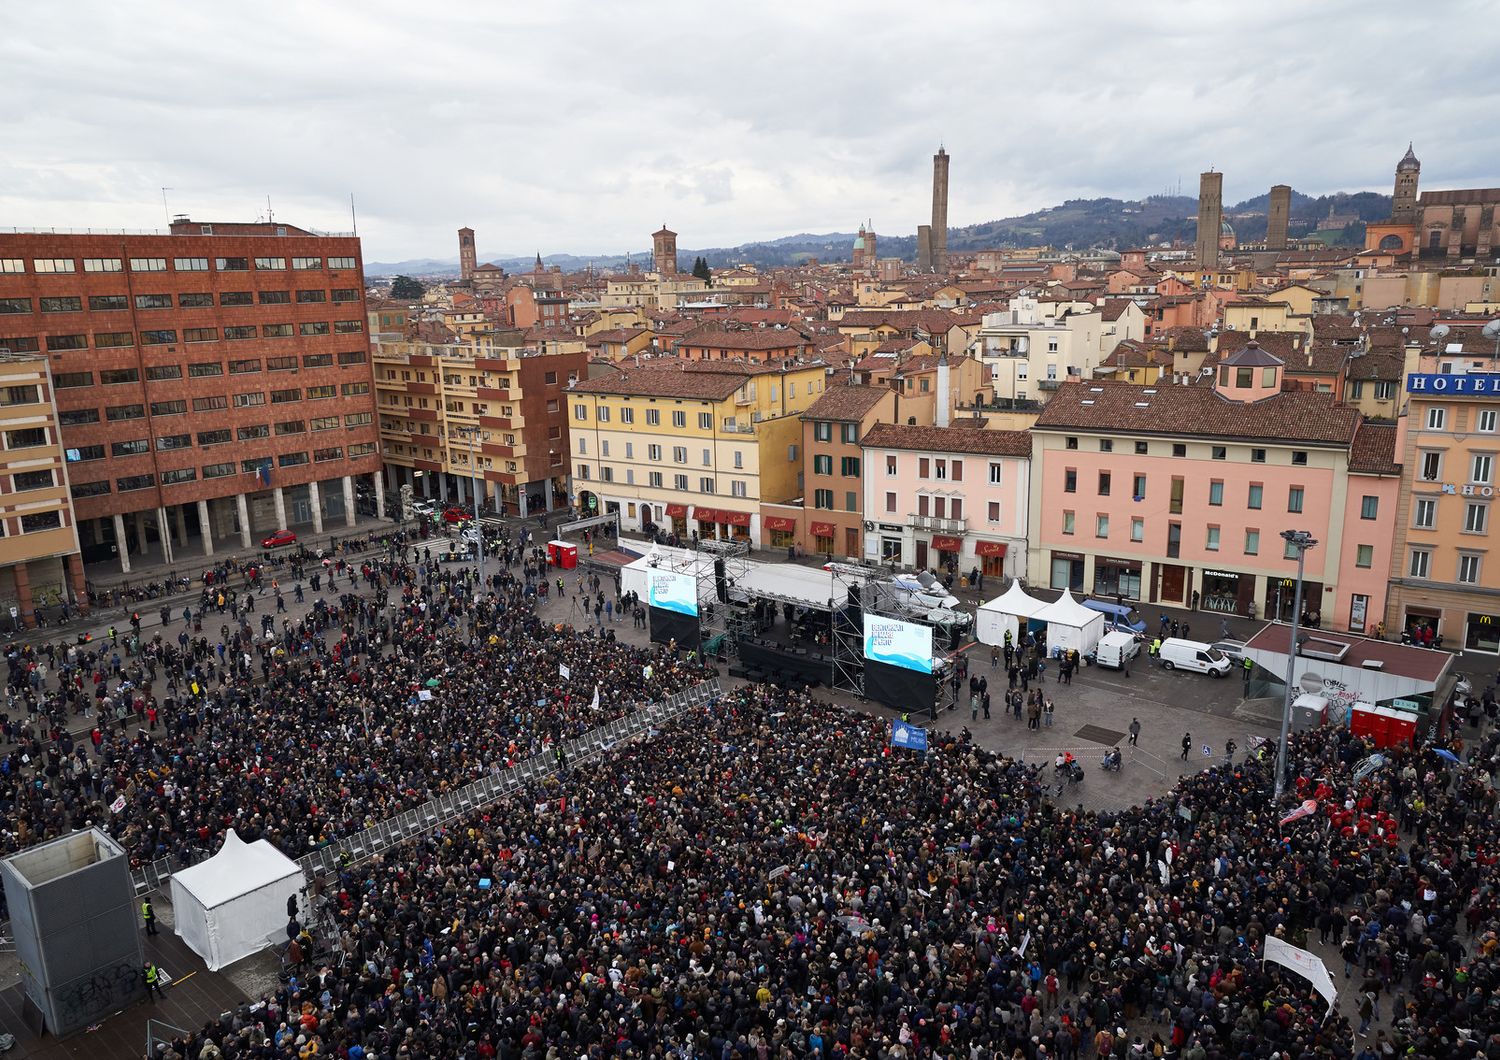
(582, 127)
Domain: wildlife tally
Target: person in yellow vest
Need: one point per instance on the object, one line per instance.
(149, 916)
(153, 982)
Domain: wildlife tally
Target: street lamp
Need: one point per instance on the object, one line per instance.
(472, 434)
(1301, 540)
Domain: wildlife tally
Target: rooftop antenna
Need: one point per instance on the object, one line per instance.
(164, 206)
(270, 217)
(353, 219)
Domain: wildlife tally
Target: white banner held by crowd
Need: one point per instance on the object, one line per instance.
(563, 671)
(1305, 963)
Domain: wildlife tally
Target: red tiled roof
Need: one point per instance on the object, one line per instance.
(948, 440)
(1289, 416)
(1374, 449)
(846, 402)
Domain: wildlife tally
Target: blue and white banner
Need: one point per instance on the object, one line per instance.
(672, 591)
(912, 737)
(897, 643)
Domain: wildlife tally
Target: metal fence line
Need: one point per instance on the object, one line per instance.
(476, 794)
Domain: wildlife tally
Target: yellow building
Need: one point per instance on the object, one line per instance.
(691, 448)
(608, 318)
(39, 555)
(653, 291)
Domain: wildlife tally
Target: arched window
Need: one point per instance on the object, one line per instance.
(1391, 242)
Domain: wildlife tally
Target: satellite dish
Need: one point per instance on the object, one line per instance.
(1491, 330)
(1439, 332)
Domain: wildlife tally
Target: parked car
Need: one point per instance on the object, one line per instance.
(279, 538)
(457, 515)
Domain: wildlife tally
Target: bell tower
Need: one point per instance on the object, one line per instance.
(1404, 198)
(466, 260)
(664, 251)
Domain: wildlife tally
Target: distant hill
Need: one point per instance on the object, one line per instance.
(1113, 224)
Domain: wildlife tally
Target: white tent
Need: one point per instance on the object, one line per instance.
(228, 906)
(1002, 615)
(1071, 625)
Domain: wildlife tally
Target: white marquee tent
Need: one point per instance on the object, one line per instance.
(1003, 614)
(228, 906)
(1071, 625)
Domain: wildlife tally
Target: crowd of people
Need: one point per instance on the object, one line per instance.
(407, 680)
(767, 877)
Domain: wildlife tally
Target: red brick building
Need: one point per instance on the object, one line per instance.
(212, 385)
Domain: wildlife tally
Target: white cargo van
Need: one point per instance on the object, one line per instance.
(1178, 654)
(1116, 648)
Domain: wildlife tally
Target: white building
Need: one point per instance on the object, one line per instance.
(1035, 346)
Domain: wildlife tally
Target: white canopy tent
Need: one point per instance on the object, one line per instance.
(1003, 614)
(228, 906)
(1071, 625)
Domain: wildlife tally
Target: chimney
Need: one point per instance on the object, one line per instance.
(942, 391)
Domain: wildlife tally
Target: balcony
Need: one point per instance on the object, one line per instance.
(1048, 384)
(937, 524)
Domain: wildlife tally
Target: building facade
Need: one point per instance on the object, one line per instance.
(211, 384)
(1035, 347)
(832, 472)
(39, 558)
(691, 448)
(487, 416)
(1179, 495)
(949, 498)
(1442, 574)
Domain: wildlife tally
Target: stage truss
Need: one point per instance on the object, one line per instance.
(847, 638)
(718, 623)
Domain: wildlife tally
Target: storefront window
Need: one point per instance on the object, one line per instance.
(890, 550)
(783, 538)
(1067, 573)
(823, 544)
(1483, 633)
(1221, 591)
(1117, 579)
(1359, 605)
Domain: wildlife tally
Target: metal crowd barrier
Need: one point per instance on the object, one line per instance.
(475, 795)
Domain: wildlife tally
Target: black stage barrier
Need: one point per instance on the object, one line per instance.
(779, 663)
(900, 688)
(674, 625)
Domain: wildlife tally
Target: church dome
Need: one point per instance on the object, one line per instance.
(859, 240)
(1408, 161)
(1226, 229)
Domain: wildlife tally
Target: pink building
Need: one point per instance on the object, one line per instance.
(1179, 495)
(953, 498)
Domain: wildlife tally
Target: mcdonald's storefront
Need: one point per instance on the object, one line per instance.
(1482, 632)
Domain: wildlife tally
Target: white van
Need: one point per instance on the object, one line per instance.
(1178, 654)
(1116, 648)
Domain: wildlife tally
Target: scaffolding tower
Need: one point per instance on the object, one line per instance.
(720, 566)
(846, 634)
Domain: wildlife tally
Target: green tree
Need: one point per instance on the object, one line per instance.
(406, 288)
(702, 271)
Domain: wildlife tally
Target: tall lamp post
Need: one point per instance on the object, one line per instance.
(472, 435)
(1301, 540)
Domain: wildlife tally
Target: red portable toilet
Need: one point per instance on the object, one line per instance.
(1365, 721)
(1400, 727)
(564, 554)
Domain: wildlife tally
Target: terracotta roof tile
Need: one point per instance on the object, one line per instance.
(1297, 416)
(846, 402)
(948, 440)
(664, 381)
(1374, 449)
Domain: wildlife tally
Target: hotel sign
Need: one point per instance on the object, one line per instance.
(1442, 383)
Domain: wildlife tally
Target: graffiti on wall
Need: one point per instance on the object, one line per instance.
(97, 994)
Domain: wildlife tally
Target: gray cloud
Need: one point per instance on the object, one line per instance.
(581, 127)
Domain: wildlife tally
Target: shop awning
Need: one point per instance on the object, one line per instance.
(676, 511)
(705, 515)
(821, 529)
(943, 543)
(735, 518)
(989, 548)
(780, 522)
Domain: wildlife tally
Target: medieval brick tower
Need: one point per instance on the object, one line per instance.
(466, 252)
(664, 251)
(940, 209)
(1404, 198)
(1210, 219)
(1278, 216)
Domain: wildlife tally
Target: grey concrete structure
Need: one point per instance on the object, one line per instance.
(1210, 219)
(73, 915)
(1278, 216)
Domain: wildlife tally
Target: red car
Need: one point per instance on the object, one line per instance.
(280, 537)
(457, 515)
